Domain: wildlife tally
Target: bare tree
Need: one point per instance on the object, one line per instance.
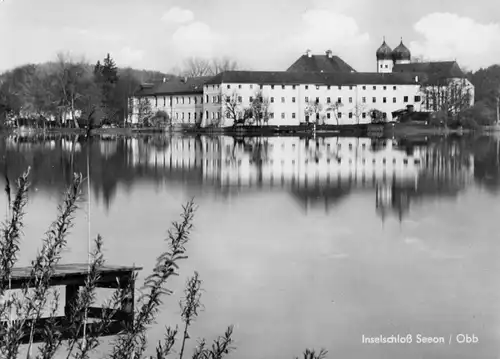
(234, 110)
(224, 64)
(259, 107)
(447, 97)
(313, 109)
(196, 66)
(69, 74)
(359, 109)
(335, 109)
(200, 66)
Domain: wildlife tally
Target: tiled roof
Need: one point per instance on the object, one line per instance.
(312, 78)
(437, 70)
(320, 63)
(174, 86)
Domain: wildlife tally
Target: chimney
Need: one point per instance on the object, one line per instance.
(308, 53)
(329, 54)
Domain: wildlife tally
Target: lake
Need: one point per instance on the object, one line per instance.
(301, 242)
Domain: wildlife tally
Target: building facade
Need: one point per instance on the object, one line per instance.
(320, 89)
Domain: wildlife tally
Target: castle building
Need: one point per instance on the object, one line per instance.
(321, 89)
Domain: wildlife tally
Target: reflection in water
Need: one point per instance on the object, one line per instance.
(268, 267)
(317, 171)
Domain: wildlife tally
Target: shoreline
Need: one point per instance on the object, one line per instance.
(370, 130)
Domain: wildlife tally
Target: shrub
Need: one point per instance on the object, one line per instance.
(132, 342)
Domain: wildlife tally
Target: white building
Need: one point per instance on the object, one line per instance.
(320, 89)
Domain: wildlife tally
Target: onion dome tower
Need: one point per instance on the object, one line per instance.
(384, 58)
(401, 54)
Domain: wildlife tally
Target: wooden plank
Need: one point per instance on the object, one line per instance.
(71, 298)
(108, 278)
(73, 269)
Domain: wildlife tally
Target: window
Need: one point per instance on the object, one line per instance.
(328, 87)
(317, 99)
(240, 99)
(293, 114)
(386, 66)
(385, 87)
(195, 100)
(328, 115)
(417, 99)
(393, 87)
(380, 65)
(350, 99)
(177, 100)
(272, 99)
(194, 115)
(183, 100)
(350, 114)
(405, 99)
(374, 87)
(206, 99)
(214, 99)
(384, 99)
(293, 99)
(340, 114)
(272, 87)
(251, 87)
(307, 87)
(340, 87)
(317, 116)
(164, 101)
(261, 86)
(363, 115)
(307, 99)
(260, 99)
(239, 86)
(271, 115)
(228, 99)
(350, 87)
(393, 100)
(156, 101)
(317, 87)
(328, 100)
(384, 115)
(282, 100)
(177, 115)
(228, 86)
(374, 99)
(363, 100)
(282, 115)
(364, 87)
(189, 116)
(250, 99)
(339, 99)
(294, 87)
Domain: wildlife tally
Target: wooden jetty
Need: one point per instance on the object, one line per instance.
(72, 277)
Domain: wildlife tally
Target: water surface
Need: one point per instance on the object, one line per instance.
(300, 242)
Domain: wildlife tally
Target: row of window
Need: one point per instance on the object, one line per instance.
(216, 99)
(416, 161)
(283, 87)
(317, 115)
(417, 99)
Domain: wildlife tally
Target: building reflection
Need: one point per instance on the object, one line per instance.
(317, 171)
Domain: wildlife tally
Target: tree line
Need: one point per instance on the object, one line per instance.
(73, 92)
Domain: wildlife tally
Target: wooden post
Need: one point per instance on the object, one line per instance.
(127, 304)
(71, 298)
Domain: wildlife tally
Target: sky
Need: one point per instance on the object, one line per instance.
(259, 34)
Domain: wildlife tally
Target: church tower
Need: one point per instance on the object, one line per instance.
(384, 58)
(401, 54)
